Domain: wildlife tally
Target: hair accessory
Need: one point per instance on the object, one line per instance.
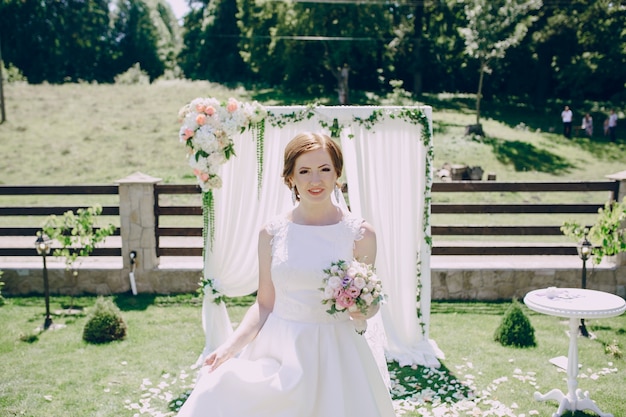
(294, 196)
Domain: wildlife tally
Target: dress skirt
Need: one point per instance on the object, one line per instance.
(295, 369)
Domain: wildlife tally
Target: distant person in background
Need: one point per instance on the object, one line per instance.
(566, 116)
(612, 124)
(587, 125)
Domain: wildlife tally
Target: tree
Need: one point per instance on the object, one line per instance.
(3, 115)
(211, 40)
(57, 41)
(300, 45)
(580, 47)
(494, 26)
(426, 48)
(137, 38)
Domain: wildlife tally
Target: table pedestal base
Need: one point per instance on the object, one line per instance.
(581, 401)
(575, 304)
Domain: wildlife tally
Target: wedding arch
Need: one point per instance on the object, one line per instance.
(388, 169)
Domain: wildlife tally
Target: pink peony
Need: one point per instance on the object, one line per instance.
(201, 175)
(353, 291)
(210, 110)
(201, 119)
(232, 105)
(187, 134)
(200, 108)
(344, 300)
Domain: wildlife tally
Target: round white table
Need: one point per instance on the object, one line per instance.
(575, 304)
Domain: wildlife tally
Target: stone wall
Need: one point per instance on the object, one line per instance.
(455, 283)
(506, 284)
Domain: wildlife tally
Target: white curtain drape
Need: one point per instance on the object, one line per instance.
(387, 178)
(240, 212)
(386, 171)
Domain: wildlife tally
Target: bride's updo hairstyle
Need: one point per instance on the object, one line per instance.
(306, 142)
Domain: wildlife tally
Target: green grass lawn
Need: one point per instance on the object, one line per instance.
(97, 134)
(58, 374)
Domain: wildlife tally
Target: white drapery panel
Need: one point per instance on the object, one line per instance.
(386, 171)
(386, 175)
(239, 215)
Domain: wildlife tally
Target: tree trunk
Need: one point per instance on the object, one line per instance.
(417, 52)
(3, 116)
(479, 94)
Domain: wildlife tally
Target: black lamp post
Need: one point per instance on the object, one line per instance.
(584, 252)
(43, 248)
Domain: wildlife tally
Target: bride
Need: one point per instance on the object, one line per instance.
(289, 357)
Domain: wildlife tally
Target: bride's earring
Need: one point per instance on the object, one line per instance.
(294, 197)
(337, 194)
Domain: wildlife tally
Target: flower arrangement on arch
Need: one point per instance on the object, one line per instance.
(207, 129)
(351, 286)
(211, 287)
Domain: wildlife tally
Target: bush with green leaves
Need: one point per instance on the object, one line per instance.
(607, 234)
(76, 232)
(105, 323)
(12, 74)
(133, 75)
(515, 329)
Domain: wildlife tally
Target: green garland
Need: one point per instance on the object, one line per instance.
(208, 217)
(282, 120)
(418, 291)
(259, 136)
(374, 118)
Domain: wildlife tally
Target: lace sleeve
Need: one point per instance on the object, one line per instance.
(277, 228)
(355, 224)
(274, 225)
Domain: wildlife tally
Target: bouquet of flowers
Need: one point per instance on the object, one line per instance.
(207, 128)
(351, 286)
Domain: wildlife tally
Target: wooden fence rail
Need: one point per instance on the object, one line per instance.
(9, 248)
(605, 190)
(611, 188)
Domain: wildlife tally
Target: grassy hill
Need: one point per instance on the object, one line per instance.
(96, 134)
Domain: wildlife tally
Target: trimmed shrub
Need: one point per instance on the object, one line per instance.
(105, 323)
(133, 75)
(515, 329)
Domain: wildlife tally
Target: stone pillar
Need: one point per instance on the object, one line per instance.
(137, 227)
(620, 177)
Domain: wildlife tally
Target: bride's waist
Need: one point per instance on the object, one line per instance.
(306, 313)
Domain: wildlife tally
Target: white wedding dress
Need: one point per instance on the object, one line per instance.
(304, 362)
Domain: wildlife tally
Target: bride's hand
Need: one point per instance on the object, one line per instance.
(217, 357)
(371, 311)
(357, 315)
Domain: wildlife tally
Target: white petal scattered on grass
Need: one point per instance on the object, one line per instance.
(443, 395)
